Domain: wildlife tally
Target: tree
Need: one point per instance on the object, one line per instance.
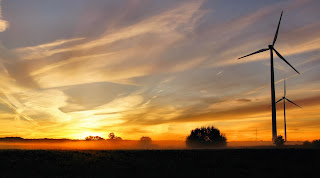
(279, 141)
(316, 143)
(94, 138)
(306, 143)
(206, 137)
(313, 144)
(112, 136)
(145, 140)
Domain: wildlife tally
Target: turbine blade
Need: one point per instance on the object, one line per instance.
(276, 102)
(293, 102)
(279, 100)
(285, 60)
(285, 90)
(259, 51)
(276, 35)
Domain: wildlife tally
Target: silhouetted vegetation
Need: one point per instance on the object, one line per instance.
(20, 139)
(314, 144)
(112, 136)
(306, 143)
(206, 137)
(145, 140)
(146, 143)
(94, 138)
(11, 139)
(279, 141)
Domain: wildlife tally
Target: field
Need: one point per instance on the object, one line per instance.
(251, 162)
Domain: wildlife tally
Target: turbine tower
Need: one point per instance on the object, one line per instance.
(284, 108)
(271, 48)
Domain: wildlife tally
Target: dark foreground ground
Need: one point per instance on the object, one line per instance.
(265, 162)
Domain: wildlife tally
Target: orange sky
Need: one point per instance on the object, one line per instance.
(70, 69)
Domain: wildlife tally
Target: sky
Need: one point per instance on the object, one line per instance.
(70, 69)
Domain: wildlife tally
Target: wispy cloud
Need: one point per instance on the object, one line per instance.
(302, 40)
(100, 59)
(18, 111)
(3, 23)
(43, 50)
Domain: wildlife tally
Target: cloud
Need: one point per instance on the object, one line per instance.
(18, 111)
(135, 49)
(244, 112)
(291, 43)
(244, 100)
(12, 68)
(43, 50)
(33, 105)
(164, 23)
(3, 23)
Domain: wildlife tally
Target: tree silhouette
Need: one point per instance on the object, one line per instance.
(112, 136)
(279, 141)
(94, 138)
(206, 137)
(145, 140)
(306, 143)
(314, 144)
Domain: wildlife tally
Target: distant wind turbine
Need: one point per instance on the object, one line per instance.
(284, 108)
(271, 48)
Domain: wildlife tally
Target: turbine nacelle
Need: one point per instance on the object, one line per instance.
(284, 97)
(270, 47)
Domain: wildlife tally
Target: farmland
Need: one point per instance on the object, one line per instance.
(250, 162)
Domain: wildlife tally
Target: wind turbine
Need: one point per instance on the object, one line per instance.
(284, 98)
(271, 48)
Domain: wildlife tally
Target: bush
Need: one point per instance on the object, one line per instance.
(145, 140)
(314, 144)
(113, 137)
(94, 138)
(206, 137)
(279, 141)
(306, 143)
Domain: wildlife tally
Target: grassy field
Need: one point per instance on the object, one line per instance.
(288, 162)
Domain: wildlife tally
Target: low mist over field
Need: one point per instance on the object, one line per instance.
(94, 145)
(120, 145)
